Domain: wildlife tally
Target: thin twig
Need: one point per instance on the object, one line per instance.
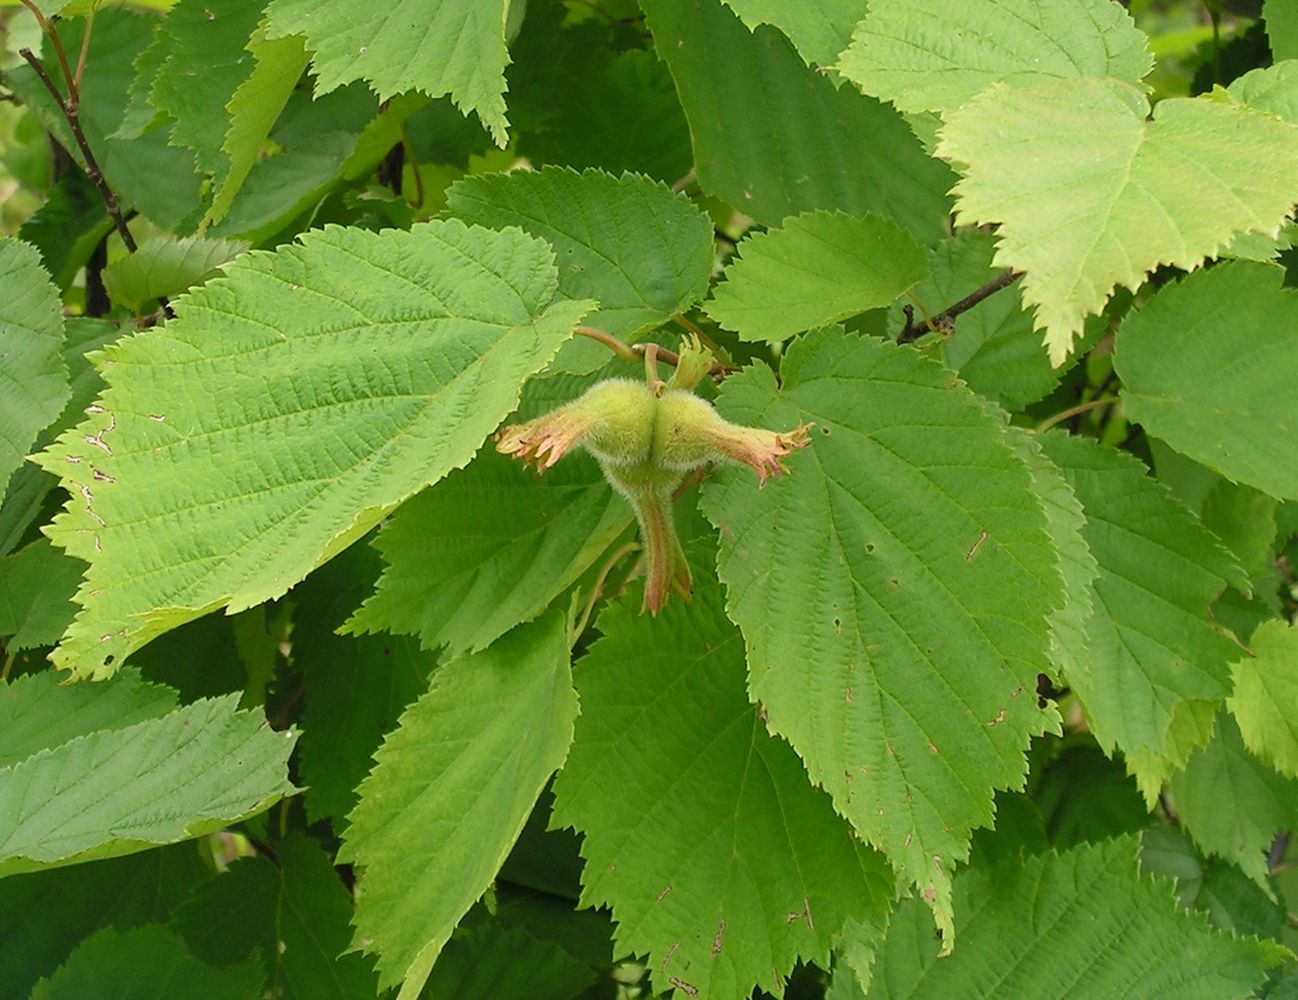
(618, 347)
(1073, 411)
(47, 29)
(944, 321)
(81, 59)
(96, 175)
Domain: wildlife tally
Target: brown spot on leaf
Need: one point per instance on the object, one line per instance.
(1000, 717)
(667, 891)
(689, 989)
(719, 938)
(973, 549)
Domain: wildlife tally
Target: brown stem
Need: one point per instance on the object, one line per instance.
(944, 320)
(69, 108)
(47, 29)
(1074, 411)
(615, 345)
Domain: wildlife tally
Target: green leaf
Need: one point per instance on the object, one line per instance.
(436, 47)
(1273, 89)
(929, 55)
(1265, 699)
(165, 266)
(68, 227)
(1083, 796)
(143, 964)
(1086, 911)
(356, 688)
(489, 547)
(700, 830)
(290, 916)
(33, 376)
(1171, 191)
(643, 252)
(1232, 804)
(117, 791)
(617, 112)
(45, 914)
(800, 143)
(204, 63)
(1281, 28)
(1218, 888)
(1208, 365)
(899, 658)
(39, 713)
(254, 108)
(819, 29)
(37, 584)
(814, 270)
(289, 407)
(993, 346)
(1065, 523)
(1245, 520)
(495, 962)
(1153, 650)
(450, 791)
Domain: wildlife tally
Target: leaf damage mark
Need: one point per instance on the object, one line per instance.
(719, 938)
(689, 989)
(667, 891)
(662, 966)
(973, 549)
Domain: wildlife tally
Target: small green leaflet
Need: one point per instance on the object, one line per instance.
(34, 376)
(1265, 700)
(801, 143)
(290, 405)
(700, 830)
(643, 252)
(115, 791)
(450, 791)
(1209, 365)
(1153, 651)
(933, 55)
(1055, 911)
(436, 47)
(142, 964)
(816, 269)
(894, 592)
(1173, 190)
(165, 266)
(1232, 804)
(818, 29)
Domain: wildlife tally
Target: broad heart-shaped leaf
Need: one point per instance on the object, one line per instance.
(142, 964)
(165, 266)
(1232, 804)
(451, 788)
(994, 346)
(894, 591)
(290, 916)
(814, 270)
(1265, 699)
(205, 60)
(818, 29)
(33, 376)
(436, 47)
(800, 143)
(288, 407)
(930, 55)
(1171, 191)
(643, 252)
(1153, 650)
(1083, 923)
(1209, 365)
(488, 547)
(117, 791)
(700, 830)
(38, 713)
